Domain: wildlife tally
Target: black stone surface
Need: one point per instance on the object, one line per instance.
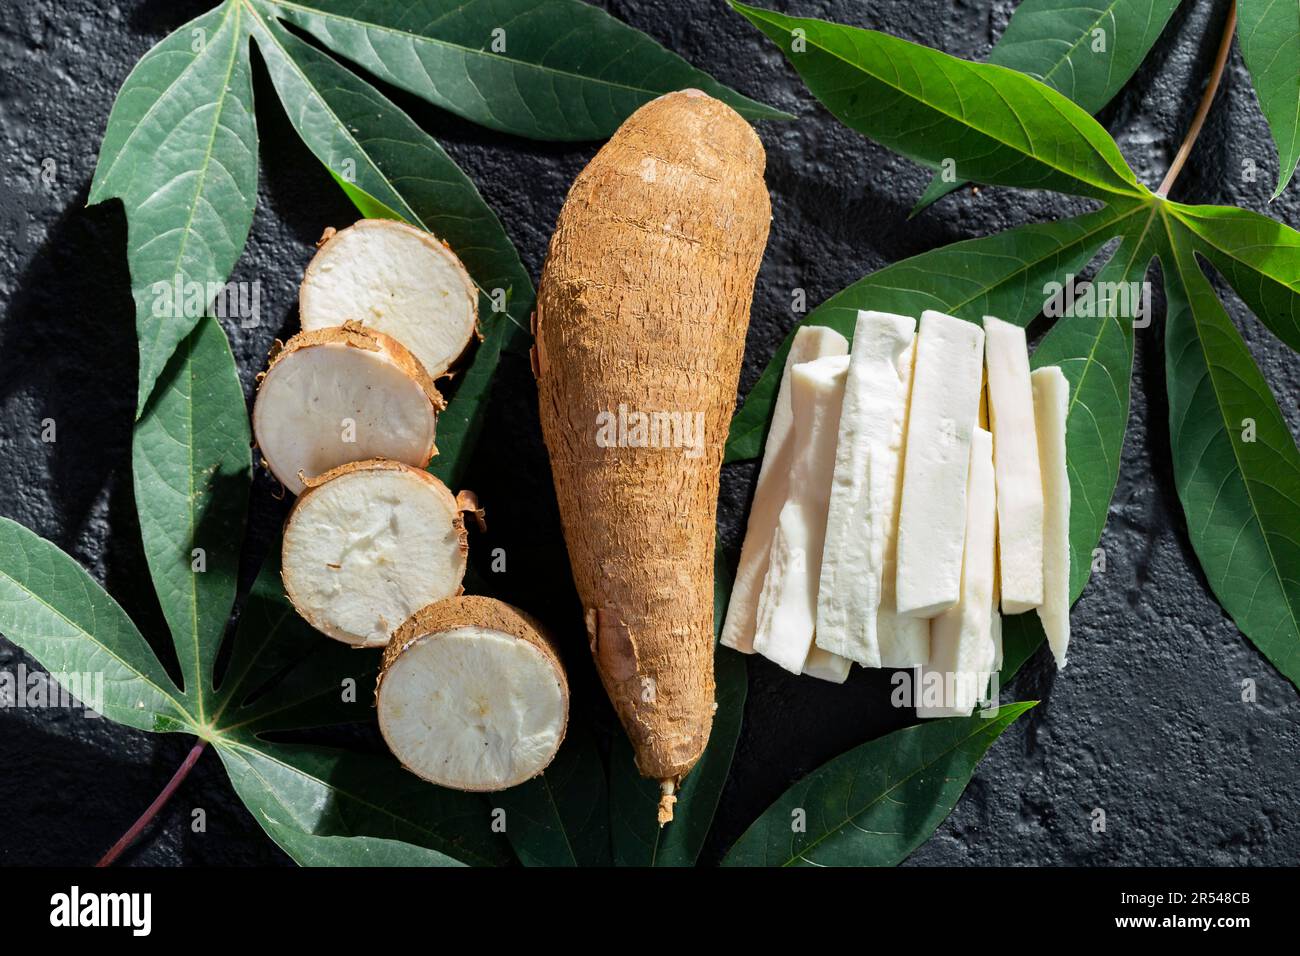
(1147, 723)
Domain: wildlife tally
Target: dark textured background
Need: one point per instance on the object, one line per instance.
(1147, 722)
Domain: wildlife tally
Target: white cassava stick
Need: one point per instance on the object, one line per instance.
(787, 604)
(1015, 463)
(863, 492)
(962, 650)
(773, 487)
(943, 414)
(1051, 409)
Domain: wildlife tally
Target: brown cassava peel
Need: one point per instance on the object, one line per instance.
(642, 308)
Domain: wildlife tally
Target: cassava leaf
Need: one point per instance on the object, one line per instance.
(1258, 256)
(1086, 51)
(547, 69)
(997, 125)
(561, 817)
(1235, 463)
(1094, 349)
(330, 793)
(370, 144)
(54, 610)
(180, 152)
(271, 637)
(1269, 34)
(878, 802)
(192, 468)
(1003, 275)
(634, 801)
(309, 849)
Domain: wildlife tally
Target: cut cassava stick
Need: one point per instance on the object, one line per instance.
(962, 647)
(787, 605)
(644, 302)
(1015, 462)
(368, 544)
(773, 487)
(472, 695)
(943, 414)
(342, 394)
(863, 499)
(398, 280)
(1051, 409)
(826, 666)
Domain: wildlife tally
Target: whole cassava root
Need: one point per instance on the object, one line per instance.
(642, 310)
(472, 695)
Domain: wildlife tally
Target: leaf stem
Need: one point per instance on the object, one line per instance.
(1198, 120)
(159, 802)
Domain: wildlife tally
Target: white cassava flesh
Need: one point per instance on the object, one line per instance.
(398, 280)
(472, 695)
(962, 643)
(943, 415)
(367, 545)
(1015, 463)
(851, 610)
(826, 666)
(773, 487)
(787, 604)
(1051, 409)
(338, 395)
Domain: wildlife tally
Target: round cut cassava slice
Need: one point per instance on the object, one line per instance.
(367, 545)
(343, 394)
(472, 695)
(397, 279)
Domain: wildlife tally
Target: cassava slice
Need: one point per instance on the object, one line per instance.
(472, 695)
(398, 280)
(643, 303)
(343, 394)
(368, 544)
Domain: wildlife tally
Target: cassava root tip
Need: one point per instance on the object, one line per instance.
(667, 797)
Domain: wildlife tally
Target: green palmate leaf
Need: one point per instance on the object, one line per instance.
(335, 793)
(52, 608)
(548, 69)
(384, 158)
(997, 125)
(1258, 256)
(180, 152)
(309, 849)
(1004, 275)
(561, 818)
(1269, 34)
(634, 801)
(1085, 51)
(1235, 463)
(192, 468)
(875, 804)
